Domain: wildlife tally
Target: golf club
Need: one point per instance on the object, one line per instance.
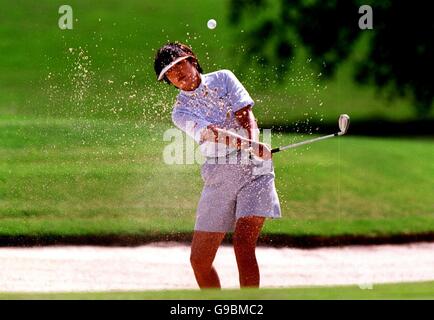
(344, 122)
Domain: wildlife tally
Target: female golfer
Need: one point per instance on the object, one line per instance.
(216, 110)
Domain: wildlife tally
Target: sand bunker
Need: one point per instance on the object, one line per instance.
(166, 266)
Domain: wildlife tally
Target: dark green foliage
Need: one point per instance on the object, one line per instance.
(398, 59)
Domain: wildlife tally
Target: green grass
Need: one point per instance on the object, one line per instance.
(88, 177)
(81, 152)
(421, 290)
(115, 42)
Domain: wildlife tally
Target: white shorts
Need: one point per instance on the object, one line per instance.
(232, 191)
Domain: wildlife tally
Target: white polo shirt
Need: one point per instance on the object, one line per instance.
(219, 95)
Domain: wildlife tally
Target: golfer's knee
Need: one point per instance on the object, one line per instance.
(245, 243)
(199, 263)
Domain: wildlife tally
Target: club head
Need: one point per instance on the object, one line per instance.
(344, 123)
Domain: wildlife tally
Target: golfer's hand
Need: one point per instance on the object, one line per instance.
(261, 150)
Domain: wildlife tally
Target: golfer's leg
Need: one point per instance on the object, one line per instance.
(203, 250)
(245, 236)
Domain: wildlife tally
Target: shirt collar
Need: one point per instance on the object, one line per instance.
(199, 89)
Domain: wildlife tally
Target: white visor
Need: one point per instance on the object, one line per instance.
(170, 65)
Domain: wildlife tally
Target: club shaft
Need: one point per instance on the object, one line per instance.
(295, 145)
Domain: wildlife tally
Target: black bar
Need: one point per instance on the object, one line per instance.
(209, 309)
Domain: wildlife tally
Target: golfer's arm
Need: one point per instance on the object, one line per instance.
(218, 135)
(247, 120)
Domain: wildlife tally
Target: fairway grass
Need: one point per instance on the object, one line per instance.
(41, 66)
(61, 177)
(421, 290)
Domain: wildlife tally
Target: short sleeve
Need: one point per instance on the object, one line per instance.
(190, 123)
(238, 95)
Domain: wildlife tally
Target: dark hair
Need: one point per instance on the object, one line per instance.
(171, 51)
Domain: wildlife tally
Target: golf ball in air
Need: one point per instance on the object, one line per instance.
(211, 24)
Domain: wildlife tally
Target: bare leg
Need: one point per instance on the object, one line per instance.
(203, 250)
(245, 236)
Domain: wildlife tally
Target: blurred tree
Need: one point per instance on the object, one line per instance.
(399, 57)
